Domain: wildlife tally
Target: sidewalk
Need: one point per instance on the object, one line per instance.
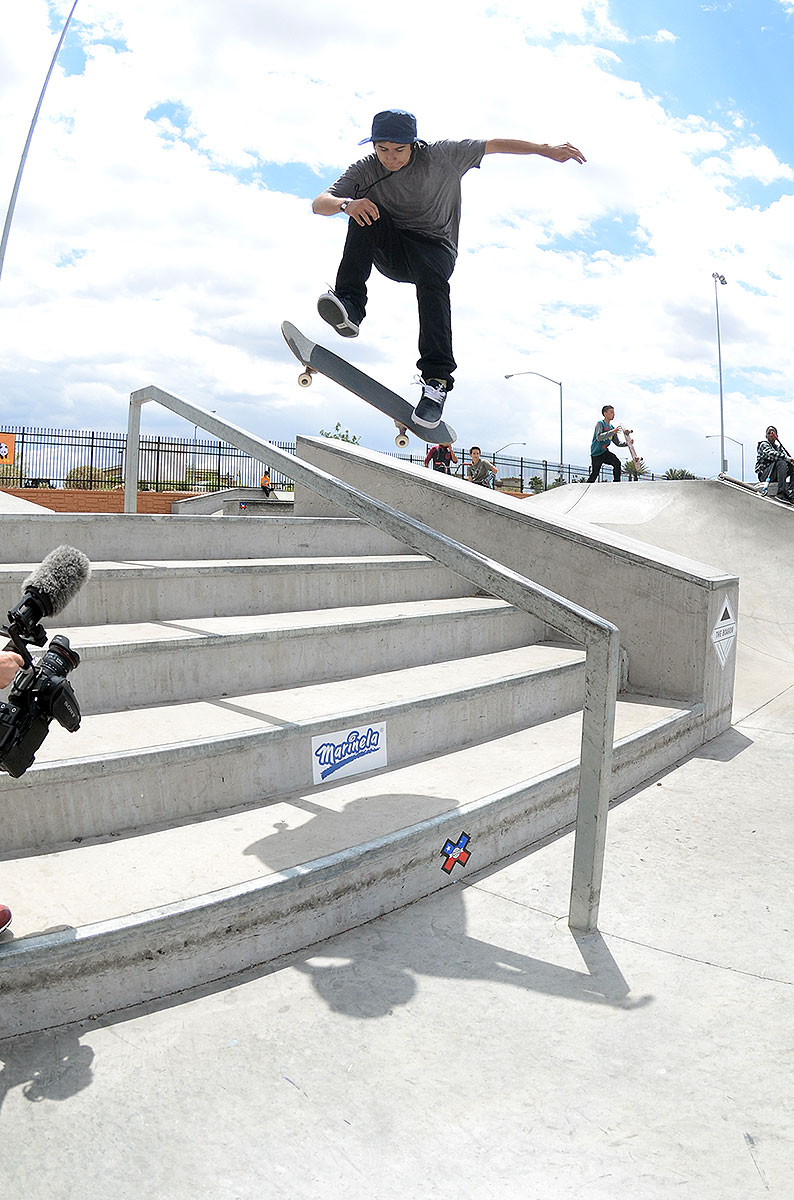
(469, 1046)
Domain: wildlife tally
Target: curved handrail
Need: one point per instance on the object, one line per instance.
(600, 637)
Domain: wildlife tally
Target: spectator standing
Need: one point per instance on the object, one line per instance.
(605, 434)
(441, 458)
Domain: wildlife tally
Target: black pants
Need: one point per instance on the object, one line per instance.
(783, 476)
(597, 461)
(405, 257)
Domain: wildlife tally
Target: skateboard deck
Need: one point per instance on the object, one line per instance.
(317, 359)
(635, 458)
(760, 489)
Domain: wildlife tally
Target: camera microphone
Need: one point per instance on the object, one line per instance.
(41, 692)
(49, 588)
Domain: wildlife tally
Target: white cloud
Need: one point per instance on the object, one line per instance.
(758, 162)
(173, 271)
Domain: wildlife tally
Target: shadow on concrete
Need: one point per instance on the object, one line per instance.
(384, 963)
(359, 821)
(724, 748)
(48, 1066)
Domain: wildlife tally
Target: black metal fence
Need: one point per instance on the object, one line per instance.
(86, 459)
(89, 460)
(525, 474)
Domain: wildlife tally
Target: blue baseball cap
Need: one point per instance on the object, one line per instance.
(393, 125)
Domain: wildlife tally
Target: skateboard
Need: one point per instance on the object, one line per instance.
(635, 458)
(318, 360)
(760, 489)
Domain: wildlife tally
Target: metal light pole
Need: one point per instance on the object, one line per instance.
(558, 384)
(13, 201)
(715, 275)
(501, 448)
(735, 441)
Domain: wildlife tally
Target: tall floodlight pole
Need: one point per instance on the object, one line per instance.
(559, 385)
(715, 275)
(18, 180)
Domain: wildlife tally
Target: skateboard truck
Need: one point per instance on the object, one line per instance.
(305, 377)
(402, 440)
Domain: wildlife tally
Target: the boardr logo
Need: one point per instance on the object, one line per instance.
(349, 752)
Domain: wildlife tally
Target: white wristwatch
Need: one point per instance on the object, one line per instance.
(344, 204)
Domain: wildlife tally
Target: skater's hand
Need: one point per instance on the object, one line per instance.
(363, 212)
(563, 153)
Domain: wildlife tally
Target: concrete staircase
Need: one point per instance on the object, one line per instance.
(179, 837)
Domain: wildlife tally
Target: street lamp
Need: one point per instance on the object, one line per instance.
(501, 448)
(735, 442)
(715, 275)
(15, 190)
(558, 384)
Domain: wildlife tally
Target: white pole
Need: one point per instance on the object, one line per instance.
(13, 201)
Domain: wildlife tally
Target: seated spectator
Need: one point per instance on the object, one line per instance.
(442, 458)
(773, 462)
(479, 469)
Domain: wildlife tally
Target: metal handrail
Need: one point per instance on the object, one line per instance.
(601, 638)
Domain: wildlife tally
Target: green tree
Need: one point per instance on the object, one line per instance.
(341, 435)
(9, 475)
(678, 473)
(635, 469)
(85, 478)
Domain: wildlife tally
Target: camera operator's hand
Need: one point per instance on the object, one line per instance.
(9, 665)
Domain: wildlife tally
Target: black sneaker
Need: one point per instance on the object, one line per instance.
(332, 310)
(430, 408)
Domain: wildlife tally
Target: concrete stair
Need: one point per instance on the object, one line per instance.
(178, 836)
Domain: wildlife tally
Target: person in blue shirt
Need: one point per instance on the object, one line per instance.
(600, 455)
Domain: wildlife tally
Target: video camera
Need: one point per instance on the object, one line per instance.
(41, 691)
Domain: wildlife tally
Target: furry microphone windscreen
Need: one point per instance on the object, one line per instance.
(58, 578)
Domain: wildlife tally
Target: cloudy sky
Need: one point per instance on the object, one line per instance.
(163, 227)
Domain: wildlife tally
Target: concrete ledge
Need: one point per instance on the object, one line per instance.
(258, 506)
(112, 965)
(215, 502)
(664, 604)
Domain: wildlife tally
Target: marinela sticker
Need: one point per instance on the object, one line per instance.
(349, 752)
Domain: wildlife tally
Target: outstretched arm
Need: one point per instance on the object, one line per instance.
(514, 146)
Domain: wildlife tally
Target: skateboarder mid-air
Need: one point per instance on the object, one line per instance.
(403, 203)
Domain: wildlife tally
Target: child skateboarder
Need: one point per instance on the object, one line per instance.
(403, 203)
(600, 454)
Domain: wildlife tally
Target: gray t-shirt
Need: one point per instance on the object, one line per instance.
(479, 472)
(423, 196)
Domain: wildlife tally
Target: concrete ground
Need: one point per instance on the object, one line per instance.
(469, 1046)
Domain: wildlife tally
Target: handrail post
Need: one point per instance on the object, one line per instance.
(131, 454)
(595, 778)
